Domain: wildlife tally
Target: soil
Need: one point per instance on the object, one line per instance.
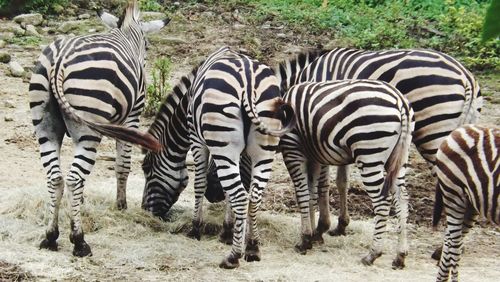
(127, 248)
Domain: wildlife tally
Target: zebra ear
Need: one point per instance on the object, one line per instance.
(108, 19)
(154, 26)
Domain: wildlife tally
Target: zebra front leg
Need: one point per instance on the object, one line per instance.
(122, 170)
(401, 203)
(452, 246)
(324, 204)
(297, 168)
(342, 186)
(200, 156)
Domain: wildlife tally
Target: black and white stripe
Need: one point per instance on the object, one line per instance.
(233, 106)
(363, 122)
(87, 86)
(442, 93)
(468, 171)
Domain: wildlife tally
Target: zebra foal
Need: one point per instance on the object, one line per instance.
(468, 171)
(89, 86)
(363, 122)
(227, 106)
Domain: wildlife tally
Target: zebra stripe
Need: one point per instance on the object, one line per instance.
(87, 86)
(365, 122)
(468, 171)
(229, 105)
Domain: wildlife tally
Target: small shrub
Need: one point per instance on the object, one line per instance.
(157, 91)
(150, 5)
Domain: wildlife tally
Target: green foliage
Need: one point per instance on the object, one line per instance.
(25, 40)
(157, 91)
(150, 5)
(491, 28)
(451, 26)
(41, 6)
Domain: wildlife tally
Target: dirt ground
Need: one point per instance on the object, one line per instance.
(133, 246)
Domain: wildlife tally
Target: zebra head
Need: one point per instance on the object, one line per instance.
(131, 25)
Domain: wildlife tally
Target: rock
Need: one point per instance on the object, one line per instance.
(151, 16)
(239, 26)
(8, 118)
(86, 16)
(16, 69)
(281, 35)
(177, 4)
(7, 35)
(31, 30)
(19, 31)
(2, 43)
(92, 30)
(68, 26)
(4, 57)
(33, 19)
(9, 104)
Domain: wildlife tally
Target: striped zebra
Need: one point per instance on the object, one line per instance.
(363, 122)
(442, 93)
(230, 104)
(87, 86)
(468, 171)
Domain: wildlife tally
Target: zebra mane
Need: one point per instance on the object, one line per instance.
(288, 69)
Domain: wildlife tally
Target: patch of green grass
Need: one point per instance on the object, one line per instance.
(25, 40)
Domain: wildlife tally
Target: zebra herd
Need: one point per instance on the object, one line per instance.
(321, 108)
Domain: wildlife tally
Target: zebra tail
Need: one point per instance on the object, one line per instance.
(282, 110)
(472, 104)
(400, 152)
(132, 135)
(438, 208)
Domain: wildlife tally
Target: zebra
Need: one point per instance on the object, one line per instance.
(468, 172)
(228, 105)
(364, 122)
(89, 86)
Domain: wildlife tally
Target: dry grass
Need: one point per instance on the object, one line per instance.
(12, 272)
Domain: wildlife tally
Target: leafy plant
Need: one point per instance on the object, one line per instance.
(157, 91)
(150, 5)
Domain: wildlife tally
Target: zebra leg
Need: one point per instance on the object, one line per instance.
(324, 204)
(401, 205)
(122, 170)
(313, 172)
(226, 235)
(50, 144)
(296, 164)
(373, 178)
(452, 247)
(86, 141)
(200, 155)
(342, 185)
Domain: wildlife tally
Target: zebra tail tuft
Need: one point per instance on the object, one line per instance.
(438, 208)
(286, 114)
(400, 152)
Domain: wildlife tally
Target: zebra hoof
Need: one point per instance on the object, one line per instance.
(370, 258)
(194, 234)
(230, 262)
(304, 245)
(337, 232)
(399, 261)
(226, 237)
(252, 252)
(121, 205)
(437, 253)
(49, 245)
(82, 250)
(318, 238)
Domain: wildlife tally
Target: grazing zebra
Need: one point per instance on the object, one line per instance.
(442, 93)
(364, 122)
(86, 86)
(229, 105)
(468, 171)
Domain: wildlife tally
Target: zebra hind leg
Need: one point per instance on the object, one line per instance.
(122, 170)
(342, 182)
(226, 236)
(324, 205)
(401, 205)
(200, 155)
